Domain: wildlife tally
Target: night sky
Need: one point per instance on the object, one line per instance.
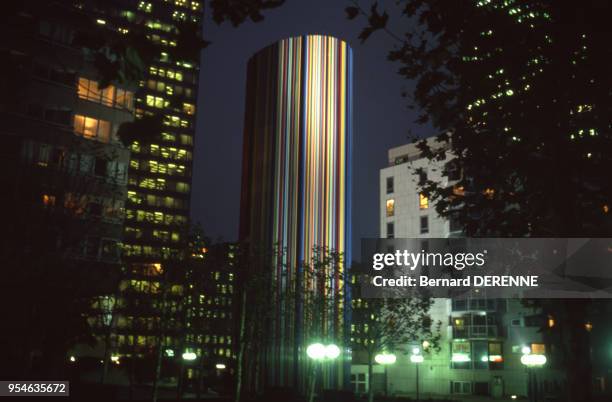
(381, 117)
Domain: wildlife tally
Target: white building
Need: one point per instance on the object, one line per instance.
(482, 339)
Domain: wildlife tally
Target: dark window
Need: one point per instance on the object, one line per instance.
(481, 388)
(94, 209)
(453, 171)
(480, 354)
(537, 321)
(459, 305)
(478, 304)
(461, 387)
(110, 250)
(92, 247)
(455, 225)
(390, 230)
(424, 224)
(59, 116)
(422, 176)
(58, 157)
(390, 188)
(100, 167)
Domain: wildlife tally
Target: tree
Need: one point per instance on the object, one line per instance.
(391, 325)
(523, 85)
(256, 296)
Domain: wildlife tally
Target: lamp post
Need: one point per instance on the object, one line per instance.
(319, 353)
(532, 361)
(385, 359)
(417, 358)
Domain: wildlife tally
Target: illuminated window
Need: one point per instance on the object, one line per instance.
(461, 354)
(48, 200)
(458, 190)
(489, 193)
(92, 128)
(188, 108)
(109, 96)
(390, 207)
(156, 101)
(551, 321)
(182, 187)
(124, 99)
(538, 348)
(186, 139)
(423, 201)
(459, 322)
(588, 326)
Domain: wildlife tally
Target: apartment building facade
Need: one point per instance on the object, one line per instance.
(482, 339)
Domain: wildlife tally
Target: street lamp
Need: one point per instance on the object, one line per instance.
(532, 361)
(417, 358)
(319, 353)
(385, 359)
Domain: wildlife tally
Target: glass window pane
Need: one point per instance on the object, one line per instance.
(91, 127)
(79, 123)
(104, 131)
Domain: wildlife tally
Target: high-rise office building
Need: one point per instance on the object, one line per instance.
(160, 171)
(297, 179)
(64, 174)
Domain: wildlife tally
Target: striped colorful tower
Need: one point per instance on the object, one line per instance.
(296, 185)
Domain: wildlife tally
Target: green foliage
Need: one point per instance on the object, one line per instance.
(524, 88)
(144, 130)
(238, 11)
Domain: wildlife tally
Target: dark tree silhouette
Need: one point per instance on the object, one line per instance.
(520, 90)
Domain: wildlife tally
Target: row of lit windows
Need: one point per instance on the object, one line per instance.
(166, 236)
(134, 250)
(153, 166)
(183, 139)
(176, 121)
(109, 96)
(160, 184)
(157, 201)
(161, 103)
(155, 217)
(210, 339)
(157, 101)
(166, 73)
(161, 40)
(169, 89)
(163, 151)
(423, 204)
